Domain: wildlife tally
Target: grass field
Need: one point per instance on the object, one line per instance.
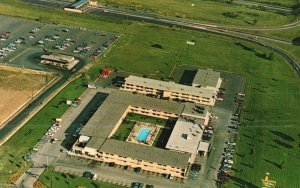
(267, 81)
(17, 87)
(54, 179)
(270, 126)
(207, 11)
(287, 35)
(293, 50)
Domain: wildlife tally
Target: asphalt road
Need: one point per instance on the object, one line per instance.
(48, 3)
(266, 6)
(170, 22)
(162, 19)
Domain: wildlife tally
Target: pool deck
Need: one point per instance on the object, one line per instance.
(154, 129)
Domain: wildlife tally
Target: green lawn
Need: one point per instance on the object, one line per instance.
(292, 50)
(123, 131)
(269, 118)
(207, 11)
(55, 179)
(146, 119)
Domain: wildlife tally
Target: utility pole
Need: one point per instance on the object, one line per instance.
(189, 43)
(188, 49)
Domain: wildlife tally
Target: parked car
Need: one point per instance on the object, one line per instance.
(231, 143)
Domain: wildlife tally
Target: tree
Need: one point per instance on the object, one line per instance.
(281, 165)
(271, 56)
(254, 22)
(296, 41)
(296, 10)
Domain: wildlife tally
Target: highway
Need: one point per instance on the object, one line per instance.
(64, 3)
(266, 6)
(168, 21)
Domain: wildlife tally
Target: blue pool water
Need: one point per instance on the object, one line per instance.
(143, 134)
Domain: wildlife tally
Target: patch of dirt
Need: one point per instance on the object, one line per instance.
(17, 86)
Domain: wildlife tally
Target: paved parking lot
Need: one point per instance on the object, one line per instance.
(232, 84)
(116, 175)
(22, 42)
(25, 41)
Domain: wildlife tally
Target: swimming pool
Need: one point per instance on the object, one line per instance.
(143, 134)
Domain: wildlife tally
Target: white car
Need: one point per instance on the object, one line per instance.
(228, 161)
(56, 125)
(94, 177)
(227, 165)
(227, 154)
(54, 128)
(208, 131)
(231, 143)
(229, 150)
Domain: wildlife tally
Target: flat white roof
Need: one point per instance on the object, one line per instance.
(203, 146)
(84, 138)
(59, 57)
(169, 86)
(185, 137)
